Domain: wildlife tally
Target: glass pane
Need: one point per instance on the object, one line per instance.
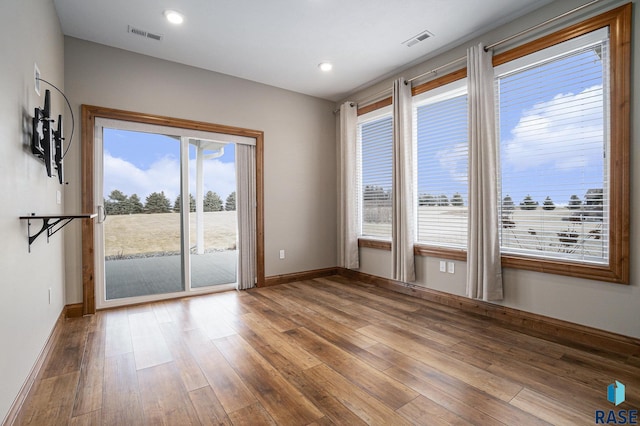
(443, 157)
(553, 148)
(213, 219)
(142, 230)
(376, 146)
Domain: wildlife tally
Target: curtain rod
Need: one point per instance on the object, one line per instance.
(491, 46)
(535, 27)
(504, 40)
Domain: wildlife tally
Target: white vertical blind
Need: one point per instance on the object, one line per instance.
(375, 146)
(553, 149)
(440, 120)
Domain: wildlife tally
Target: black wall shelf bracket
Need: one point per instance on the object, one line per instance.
(51, 224)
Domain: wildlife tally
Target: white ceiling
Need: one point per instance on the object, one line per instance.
(281, 42)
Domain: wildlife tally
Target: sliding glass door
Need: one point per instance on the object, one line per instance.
(213, 215)
(168, 218)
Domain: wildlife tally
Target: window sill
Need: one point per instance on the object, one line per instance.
(442, 252)
(606, 273)
(374, 244)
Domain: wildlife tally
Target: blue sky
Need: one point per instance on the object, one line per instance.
(552, 106)
(142, 163)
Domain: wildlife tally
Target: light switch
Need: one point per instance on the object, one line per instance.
(443, 266)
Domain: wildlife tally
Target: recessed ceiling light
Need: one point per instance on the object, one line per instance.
(325, 66)
(173, 16)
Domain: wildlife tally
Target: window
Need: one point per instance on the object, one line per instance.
(564, 150)
(441, 139)
(375, 145)
(553, 146)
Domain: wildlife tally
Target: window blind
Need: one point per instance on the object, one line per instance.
(553, 150)
(375, 143)
(441, 132)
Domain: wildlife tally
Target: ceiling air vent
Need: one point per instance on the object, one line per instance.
(417, 38)
(143, 33)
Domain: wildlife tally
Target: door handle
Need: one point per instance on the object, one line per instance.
(102, 214)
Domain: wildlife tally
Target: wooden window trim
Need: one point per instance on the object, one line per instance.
(374, 244)
(89, 115)
(374, 106)
(619, 21)
(440, 81)
(617, 271)
(441, 252)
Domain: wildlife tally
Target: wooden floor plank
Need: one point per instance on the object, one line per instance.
(549, 409)
(423, 411)
(280, 342)
(88, 419)
(192, 376)
(50, 402)
(89, 394)
(149, 346)
(227, 385)
(361, 403)
(283, 401)
(164, 398)
(318, 352)
(117, 332)
(121, 403)
(373, 381)
(335, 411)
(484, 380)
(252, 415)
(208, 407)
(66, 355)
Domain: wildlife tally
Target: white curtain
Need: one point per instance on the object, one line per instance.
(246, 208)
(402, 231)
(484, 269)
(347, 188)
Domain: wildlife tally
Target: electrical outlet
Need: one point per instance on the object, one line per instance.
(36, 78)
(443, 266)
(281, 254)
(451, 267)
(58, 197)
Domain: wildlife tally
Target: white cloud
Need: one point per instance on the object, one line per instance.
(456, 161)
(164, 175)
(561, 123)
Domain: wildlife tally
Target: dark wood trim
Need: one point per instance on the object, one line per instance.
(89, 115)
(73, 310)
(443, 253)
(374, 244)
(299, 276)
(615, 19)
(619, 22)
(88, 205)
(16, 407)
(540, 325)
(418, 249)
(376, 105)
(440, 81)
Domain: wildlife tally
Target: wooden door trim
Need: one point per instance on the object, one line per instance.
(89, 115)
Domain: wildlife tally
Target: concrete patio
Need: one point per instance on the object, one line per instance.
(162, 274)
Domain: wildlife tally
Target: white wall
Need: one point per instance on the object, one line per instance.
(606, 306)
(29, 34)
(299, 142)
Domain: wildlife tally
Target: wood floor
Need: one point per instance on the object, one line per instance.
(325, 351)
